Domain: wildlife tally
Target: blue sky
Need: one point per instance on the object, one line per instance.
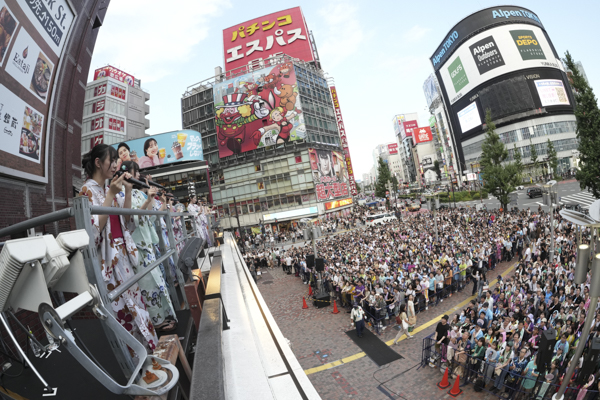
(377, 52)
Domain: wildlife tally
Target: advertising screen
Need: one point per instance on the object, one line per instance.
(283, 32)
(162, 149)
(421, 135)
(258, 109)
(338, 203)
(393, 148)
(494, 53)
(114, 73)
(33, 35)
(469, 117)
(330, 175)
(551, 92)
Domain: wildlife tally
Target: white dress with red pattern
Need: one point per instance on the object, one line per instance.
(116, 259)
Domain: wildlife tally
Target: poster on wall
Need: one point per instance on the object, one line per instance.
(165, 148)
(330, 175)
(552, 92)
(258, 109)
(27, 75)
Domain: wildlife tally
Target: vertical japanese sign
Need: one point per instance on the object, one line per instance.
(330, 174)
(283, 32)
(32, 38)
(344, 140)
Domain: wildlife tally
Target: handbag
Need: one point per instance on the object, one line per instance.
(412, 320)
(398, 320)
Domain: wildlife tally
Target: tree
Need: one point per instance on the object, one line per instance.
(518, 162)
(395, 183)
(358, 188)
(383, 176)
(500, 177)
(534, 158)
(588, 126)
(436, 169)
(552, 158)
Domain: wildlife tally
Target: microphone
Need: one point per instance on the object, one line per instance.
(152, 183)
(131, 180)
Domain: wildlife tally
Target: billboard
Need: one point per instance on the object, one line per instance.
(258, 109)
(409, 126)
(114, 73)
(392, 148)
(493, 53)
(469, 117)
(430, 90)
(330, 175)
(338, 203)
(283, 32)
(162, 149)
(422, 135)
(343, 140)
(33, 35)
(552, 92)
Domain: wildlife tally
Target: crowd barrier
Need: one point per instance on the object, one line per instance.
(510, 385)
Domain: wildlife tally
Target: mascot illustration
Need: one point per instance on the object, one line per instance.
(232, 118)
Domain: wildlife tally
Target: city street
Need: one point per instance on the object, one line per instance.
(567, 191)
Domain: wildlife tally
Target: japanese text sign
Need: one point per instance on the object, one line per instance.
(343, 140)
(114, 73)
(330, 174)
(338, 203)
(281, 32)
(392, 148)
(409, 126)
(421, 135)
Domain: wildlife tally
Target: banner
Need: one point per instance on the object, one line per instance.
(283, 32)
(165, 148)
(330, 175)
(114, 73)
(343, 140)
(422, 135)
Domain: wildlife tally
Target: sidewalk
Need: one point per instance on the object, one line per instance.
(336, 366)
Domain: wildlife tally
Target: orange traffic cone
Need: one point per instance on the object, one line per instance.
(335, 310)
(455, 391)
(304, 303)
(444, 383)
(310, 293)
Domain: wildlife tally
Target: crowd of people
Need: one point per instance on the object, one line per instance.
(386, 274)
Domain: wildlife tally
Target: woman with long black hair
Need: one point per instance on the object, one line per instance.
(117, 251)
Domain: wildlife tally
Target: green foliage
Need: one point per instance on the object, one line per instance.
(588, 126)
(534, 158)
(395, 184)
(500, 177)
(552, 158)
(518, 162)
(383, 176)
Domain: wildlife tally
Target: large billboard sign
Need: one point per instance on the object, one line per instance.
(283, 32)
(392, 148)
(344, 140)
(338, 203)
(422, 135)
(258, 109)
(162, 149)
(493, 53)
(330, 175)
(409, 126)
(32, 38)
(114, 73)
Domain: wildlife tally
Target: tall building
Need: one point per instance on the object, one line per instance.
(502, 60)
(404, 124)
(272, 130)
(114, 110)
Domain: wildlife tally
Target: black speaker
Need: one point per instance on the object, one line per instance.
(310, 260)
(320, 265)
(546, 349)
(590, 361)
(322, 300)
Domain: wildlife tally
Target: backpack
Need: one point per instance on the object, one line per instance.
(479, 384)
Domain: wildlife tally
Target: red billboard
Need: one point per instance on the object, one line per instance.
(421, 135)
(338, 203)
(344, 140)
(409, 126)
(283, 32)
(393, 148)
(114, 73)
(330, 174)
(96, 140)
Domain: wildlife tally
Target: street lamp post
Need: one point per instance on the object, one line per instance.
(550, 198)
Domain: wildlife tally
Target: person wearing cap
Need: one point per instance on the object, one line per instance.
(357, 317)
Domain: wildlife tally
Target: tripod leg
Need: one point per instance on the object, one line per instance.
(23, 355)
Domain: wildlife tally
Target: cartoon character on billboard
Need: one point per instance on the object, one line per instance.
(279, 123)
(287, 96)
(285, 69)
(232, 118)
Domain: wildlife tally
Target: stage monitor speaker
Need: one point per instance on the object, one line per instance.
(322, 300)
(310, 260)
(546, 349)
(320, 265)
(590, 361)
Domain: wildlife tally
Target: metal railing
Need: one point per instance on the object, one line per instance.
(82, 211)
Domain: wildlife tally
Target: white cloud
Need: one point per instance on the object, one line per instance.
(139, 37)
(415, 33)
(344, 33)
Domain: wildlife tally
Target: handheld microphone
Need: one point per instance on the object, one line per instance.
(131, 180)
(152, 183)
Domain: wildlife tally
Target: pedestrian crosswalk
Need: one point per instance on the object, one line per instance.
(583, 198)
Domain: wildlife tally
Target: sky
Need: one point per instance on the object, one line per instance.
(377, 52)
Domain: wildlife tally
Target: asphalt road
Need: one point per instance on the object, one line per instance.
(567, 191)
